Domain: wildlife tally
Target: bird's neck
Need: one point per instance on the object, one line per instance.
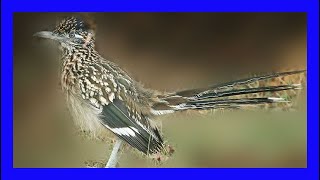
(74, 60)
(69, 50)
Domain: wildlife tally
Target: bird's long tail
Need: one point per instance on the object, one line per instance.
(223, 96)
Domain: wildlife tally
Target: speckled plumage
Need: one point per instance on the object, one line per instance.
(98, 82)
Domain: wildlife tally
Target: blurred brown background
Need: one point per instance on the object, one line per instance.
(166, 51)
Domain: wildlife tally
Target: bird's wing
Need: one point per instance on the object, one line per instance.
(129, 127)
(108, 90)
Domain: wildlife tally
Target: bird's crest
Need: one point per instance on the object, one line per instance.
(72, 23)
(77, 30)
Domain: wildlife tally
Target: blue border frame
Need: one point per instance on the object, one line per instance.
(10, 6)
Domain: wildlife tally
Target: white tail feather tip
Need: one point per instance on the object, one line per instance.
(297, 86)
(276, 99)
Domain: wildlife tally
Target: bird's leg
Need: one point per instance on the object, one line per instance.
(113, 159)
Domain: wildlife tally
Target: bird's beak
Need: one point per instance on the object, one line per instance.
(48, 35)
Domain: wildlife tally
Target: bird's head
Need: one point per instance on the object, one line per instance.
(71, 32)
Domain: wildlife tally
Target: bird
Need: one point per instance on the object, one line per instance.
(102, 96)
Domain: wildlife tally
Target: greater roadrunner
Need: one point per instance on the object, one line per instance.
(101, 95)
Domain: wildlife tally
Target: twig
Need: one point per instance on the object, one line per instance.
(113, 159)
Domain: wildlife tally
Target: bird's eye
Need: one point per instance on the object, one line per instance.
(71, 35)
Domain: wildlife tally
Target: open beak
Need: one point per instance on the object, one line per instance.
(48, 35)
